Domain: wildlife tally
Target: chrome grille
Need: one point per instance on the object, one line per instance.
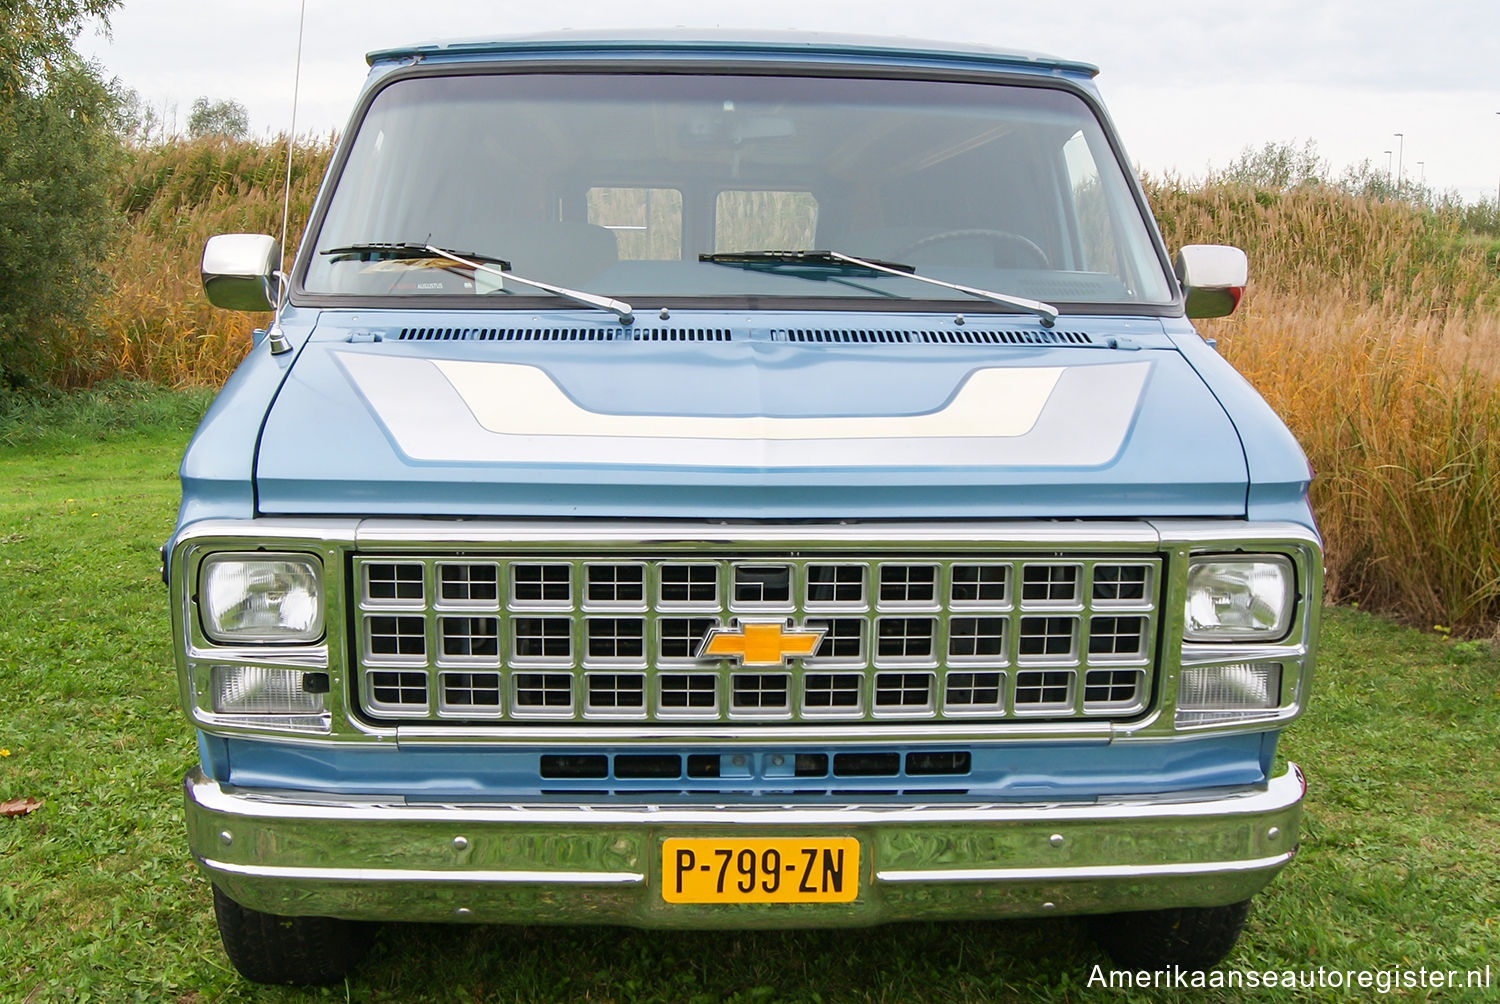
(587, 637)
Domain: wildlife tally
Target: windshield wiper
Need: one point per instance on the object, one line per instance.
(810, 261)
(624, 311)
(835, 259)
(405, 250)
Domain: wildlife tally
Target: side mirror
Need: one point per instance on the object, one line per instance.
(1214, 277)
(240, 271)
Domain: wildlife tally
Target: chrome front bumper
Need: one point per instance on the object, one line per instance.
(575, 864)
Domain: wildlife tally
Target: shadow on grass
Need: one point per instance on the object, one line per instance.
(960, 961)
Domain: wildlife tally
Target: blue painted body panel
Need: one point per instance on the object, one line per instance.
(1181, 455)
(1279, 474)
(218, 467)
(1059, 770)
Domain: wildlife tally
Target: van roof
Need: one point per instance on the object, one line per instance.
(797, 46)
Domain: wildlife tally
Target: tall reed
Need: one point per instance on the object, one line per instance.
(156, 324)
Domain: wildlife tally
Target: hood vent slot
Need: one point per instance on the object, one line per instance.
(506, 335)
(961, 337)
(680, 335)
(863, 336)
(1008, 337)
(564, 334)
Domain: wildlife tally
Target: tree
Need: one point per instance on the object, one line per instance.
(217, 118)
(58, 153)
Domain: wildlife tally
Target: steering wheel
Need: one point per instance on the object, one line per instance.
(999, 239)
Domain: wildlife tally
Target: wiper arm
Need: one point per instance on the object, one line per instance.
(619, 308)
(402, 250)
(1045, 311)
(822, 261)
(812, 261)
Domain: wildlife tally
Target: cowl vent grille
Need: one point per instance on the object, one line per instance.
(506, 335)
(680, 334)
(565, 334)
(935, 337)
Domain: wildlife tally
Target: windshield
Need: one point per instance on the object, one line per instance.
(616, 184)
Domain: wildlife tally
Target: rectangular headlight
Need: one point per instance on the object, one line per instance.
(262, 690)
(261, 598)
(1234, 598)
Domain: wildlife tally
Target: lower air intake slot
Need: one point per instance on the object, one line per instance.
(634, 766)
(558, 766)
(919, 764)
(866, 764)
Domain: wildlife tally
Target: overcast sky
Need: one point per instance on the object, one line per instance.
(1190, 85)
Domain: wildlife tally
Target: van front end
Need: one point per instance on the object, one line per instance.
(736, 483)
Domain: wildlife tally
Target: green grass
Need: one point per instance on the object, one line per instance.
(99, 901)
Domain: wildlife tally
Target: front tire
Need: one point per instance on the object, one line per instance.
(305, 951)
(1190, 937)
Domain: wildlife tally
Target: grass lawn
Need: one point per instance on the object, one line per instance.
(1400, 860)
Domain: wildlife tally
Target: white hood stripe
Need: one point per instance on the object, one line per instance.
(466, 413)
(519, 400)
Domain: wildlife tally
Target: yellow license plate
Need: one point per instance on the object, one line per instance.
(766, 870)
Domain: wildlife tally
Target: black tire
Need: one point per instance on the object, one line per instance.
(305, 951)
(1192, 937)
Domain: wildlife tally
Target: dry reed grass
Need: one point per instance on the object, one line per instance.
(1404, 435)
(1371, 326)
(157, 325)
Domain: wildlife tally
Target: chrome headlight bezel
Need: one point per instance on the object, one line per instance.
(1269, 580)
(288, 584)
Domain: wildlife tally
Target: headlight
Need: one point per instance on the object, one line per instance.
(261, 598)
(1239, 598)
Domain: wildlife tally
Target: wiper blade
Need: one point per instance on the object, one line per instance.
(823, 261)
(401, 250)
(619, 308)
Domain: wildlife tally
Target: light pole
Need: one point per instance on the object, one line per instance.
(1388, 163)
(1400, 147)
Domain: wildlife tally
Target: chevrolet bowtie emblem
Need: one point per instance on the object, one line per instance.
(758, 643)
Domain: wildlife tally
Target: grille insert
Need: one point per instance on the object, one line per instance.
(490, 636)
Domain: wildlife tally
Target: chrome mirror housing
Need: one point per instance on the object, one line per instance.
(1213, 278)
(240, 271)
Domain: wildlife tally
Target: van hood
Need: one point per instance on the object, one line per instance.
(1102, 417)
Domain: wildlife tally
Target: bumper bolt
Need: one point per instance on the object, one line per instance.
(226, 838)
(1273, 833)
(1049, 906)
(460, 843)
(463, 911)
(1056, 840)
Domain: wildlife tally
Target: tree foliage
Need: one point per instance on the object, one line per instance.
(58, 152)
(217, 118)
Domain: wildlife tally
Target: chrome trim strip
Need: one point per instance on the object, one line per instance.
(1279, 793)
(421, 875)
(1084, 873)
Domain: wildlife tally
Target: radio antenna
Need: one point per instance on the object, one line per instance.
(291, 137)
